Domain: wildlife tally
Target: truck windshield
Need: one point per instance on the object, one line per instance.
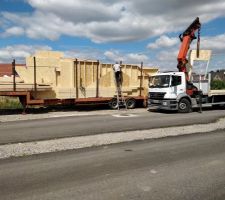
(161, 81)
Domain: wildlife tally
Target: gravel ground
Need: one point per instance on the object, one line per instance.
(30, 148)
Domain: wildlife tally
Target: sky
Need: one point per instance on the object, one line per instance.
(131, 31)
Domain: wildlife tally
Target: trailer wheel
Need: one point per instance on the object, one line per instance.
(184, 106)
(130, 103)
(113, 103)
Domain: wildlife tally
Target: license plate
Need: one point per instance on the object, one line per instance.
(155, 101)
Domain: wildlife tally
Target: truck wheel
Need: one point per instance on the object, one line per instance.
(184, 106)
(113, 104)
(131, 103)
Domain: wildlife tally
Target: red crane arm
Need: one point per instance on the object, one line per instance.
(186, 39)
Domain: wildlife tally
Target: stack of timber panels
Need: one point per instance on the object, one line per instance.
(75, 78)
(6, 84)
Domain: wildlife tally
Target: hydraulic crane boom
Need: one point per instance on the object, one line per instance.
(186, 39)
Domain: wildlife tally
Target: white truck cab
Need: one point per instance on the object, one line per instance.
(167, 91)
(171, 91)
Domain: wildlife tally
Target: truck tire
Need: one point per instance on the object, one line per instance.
(131, 103)
(113, 104)
(184, 106)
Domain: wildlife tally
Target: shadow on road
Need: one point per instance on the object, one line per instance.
(194, 110)
(58, 108)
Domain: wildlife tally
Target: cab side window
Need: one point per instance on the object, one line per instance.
(176, 80)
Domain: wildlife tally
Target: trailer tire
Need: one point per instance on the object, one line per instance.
(131, 103)
(113, 104)
(184, 106)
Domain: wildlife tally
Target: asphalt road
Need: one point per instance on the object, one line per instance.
(41, 129)
(187, 167)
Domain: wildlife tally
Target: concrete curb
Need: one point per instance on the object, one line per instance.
(39, 147)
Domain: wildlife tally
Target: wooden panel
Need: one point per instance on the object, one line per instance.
(59, 72)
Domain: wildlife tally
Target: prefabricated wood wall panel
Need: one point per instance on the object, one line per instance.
(61, 73)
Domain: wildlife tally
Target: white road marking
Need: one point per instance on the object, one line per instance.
(70, 115)
(125, 115)
(153, 171)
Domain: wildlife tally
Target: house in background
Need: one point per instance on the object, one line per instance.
(218, 75)
(6, 69)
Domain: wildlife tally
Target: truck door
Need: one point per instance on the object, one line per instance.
(176, 85)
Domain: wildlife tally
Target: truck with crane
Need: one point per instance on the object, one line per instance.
(176, 90)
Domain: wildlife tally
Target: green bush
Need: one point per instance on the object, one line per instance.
(10, 103)
(217, 85)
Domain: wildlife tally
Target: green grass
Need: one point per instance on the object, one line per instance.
(10, 103)
(217, 85)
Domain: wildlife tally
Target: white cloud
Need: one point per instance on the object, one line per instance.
(216, 43)
(137, 58)
(19, 52)
(13, 31)
(114, 56)
(163, 41)
(85, 53)
(166, 51)
(109, 21)
(78, 11)
(134, 58)
(40, 25)
(167, 55)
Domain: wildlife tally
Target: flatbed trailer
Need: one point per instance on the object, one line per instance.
(26, 99)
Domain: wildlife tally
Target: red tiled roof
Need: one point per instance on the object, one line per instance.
(6, 69)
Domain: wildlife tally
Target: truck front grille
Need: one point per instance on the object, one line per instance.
(157, 95)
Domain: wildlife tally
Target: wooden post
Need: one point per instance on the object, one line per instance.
(14, 74)
(35, 79)
(97, 80)
(141, 79)
(76, 77)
